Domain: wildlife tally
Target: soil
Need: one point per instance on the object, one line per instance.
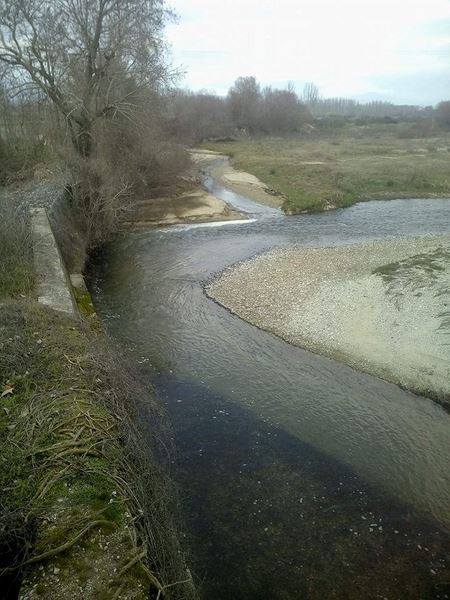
(195, 206)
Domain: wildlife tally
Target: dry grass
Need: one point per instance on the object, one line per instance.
(86, 510)
(79, 484)
(19, 158)
(341, 168)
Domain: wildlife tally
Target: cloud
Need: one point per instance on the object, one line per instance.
(346, 47)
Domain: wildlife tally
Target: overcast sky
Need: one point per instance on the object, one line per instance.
(397, 50)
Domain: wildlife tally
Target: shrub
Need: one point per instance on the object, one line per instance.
(417, 129)
(129, 163)
(18, 159)
(442, 114)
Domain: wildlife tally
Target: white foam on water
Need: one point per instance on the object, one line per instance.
(186, 226)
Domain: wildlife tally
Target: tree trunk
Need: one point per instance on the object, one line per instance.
(84, 140)
(81, 136)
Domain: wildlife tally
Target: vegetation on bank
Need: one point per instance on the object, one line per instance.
(104, 118)
(84, 509)
(18, 159)
(16, 269)
(341, 167)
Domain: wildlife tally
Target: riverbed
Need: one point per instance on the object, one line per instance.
(300, 477)
(382, 306)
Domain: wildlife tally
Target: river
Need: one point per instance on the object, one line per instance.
(299, 476)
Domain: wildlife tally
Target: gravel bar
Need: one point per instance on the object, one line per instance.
(382, 306)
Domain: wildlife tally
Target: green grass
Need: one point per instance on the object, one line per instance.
(16, 260)
(420, 272)
(73, 463)
(354, 164)
(46, 373)
(426, 264)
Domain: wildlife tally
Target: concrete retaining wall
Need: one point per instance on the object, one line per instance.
(52, 282)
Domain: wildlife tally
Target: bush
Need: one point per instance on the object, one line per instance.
(130, 161)
(18, 159)
(418, 129)
(442, 115)
(331, 122)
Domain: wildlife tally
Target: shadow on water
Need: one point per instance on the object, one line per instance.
(271, 517)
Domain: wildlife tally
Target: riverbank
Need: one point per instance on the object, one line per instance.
(324, 171)
(86, 507)
(196, 206)
(381, 306)
(245, 184)
(186, 202)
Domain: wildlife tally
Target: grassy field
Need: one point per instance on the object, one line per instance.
(333, 170)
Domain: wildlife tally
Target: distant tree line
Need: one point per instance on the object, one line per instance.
(247, 109)
(250, 109)
(348, 107)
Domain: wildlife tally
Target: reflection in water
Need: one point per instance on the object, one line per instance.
(301, 477)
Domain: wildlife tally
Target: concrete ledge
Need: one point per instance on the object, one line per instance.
(52, 283)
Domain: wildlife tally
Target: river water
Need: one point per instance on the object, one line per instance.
(299, 477)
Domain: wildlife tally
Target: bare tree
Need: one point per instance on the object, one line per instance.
(244, 101)
(102, 64)
(311, 95)
(283, 113)
(196, 116)
(90, 57)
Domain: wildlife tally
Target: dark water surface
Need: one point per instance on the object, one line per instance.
(300, 477)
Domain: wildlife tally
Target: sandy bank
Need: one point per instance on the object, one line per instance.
(239, 182)
(382, 307)
(198, 205)
(192, 207)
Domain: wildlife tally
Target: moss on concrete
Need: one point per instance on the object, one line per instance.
(84, 302)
